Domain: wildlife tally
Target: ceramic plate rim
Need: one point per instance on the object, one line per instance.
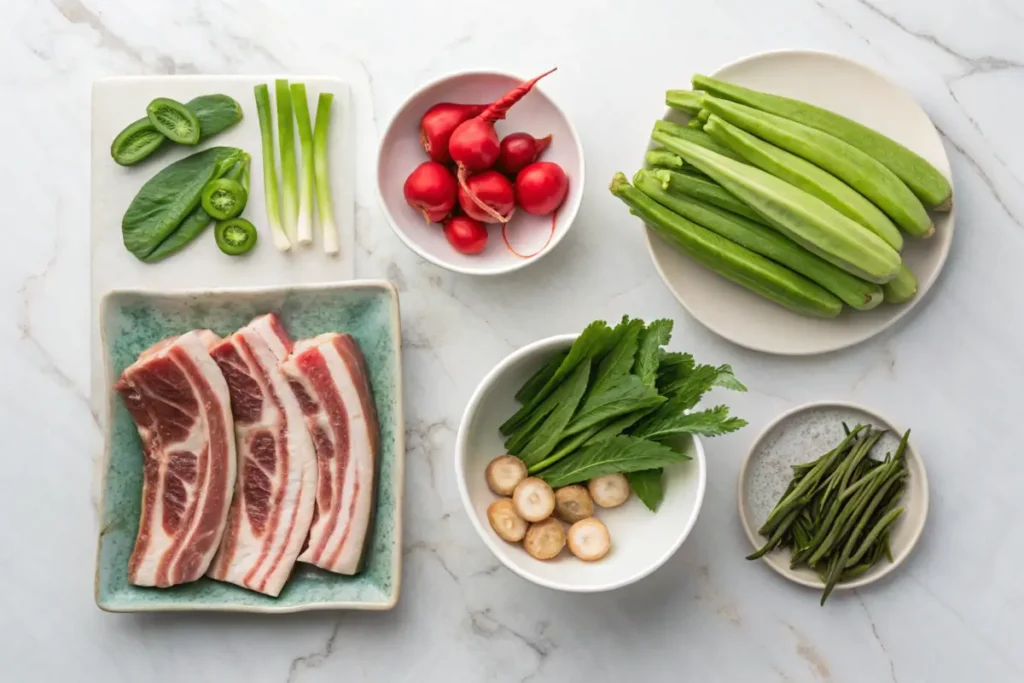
(782, 568)
(396, 564)
(482, 388)
(489, 271)
(898, 313)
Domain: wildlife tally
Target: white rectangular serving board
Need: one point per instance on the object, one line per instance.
(116, 102)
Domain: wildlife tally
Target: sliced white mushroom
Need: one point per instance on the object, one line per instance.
(573, 503)
(609, 491)
(534, 499)
(504, 473)
(589, 539)
(545, 539)
(505, 522)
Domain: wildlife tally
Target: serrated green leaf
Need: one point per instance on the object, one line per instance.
(620, 454)
(712, 422)
(648, 356)
(685, 393)
(540, 378)
(727, 380)
(647, 486)
(672, 367)
(592, 343)
(549, 433)
(620, 357)
(518, 441)
(627, 395)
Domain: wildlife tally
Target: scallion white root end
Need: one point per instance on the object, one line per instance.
(289, 170)
(324, 205)
(277, 232)
(300, 106)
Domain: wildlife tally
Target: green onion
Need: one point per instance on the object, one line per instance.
(269, 171)
(301, 108)
(286, 139)
(325, 209)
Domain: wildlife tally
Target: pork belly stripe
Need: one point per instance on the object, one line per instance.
(179, 401)
(274, 498)
(329, 376)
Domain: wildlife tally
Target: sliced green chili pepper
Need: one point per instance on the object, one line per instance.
(174, 119)
(235, 236)
(224, 198)
(137, 141)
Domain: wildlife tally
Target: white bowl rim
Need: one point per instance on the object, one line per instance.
(901, 311)
(757, 541)
(520, 263)
(460, 476)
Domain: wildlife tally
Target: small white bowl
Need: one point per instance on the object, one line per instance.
(801, 435)
(641, 540)
(400, 152)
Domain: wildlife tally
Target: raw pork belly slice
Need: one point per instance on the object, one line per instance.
(179, 400)
(328, 375)
(276, 489)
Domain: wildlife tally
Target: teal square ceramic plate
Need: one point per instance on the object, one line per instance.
(130, 321)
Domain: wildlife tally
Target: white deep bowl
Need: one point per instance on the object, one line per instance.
(641, 540)
(400, 152)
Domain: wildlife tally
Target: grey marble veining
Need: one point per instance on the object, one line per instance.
(951, 371)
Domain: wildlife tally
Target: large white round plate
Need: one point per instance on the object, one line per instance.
(866, 96)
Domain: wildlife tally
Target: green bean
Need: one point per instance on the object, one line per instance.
(849, 516)
(807, 485)
(887, 520)
(776, 536)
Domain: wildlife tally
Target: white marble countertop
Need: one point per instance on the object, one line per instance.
(952, 371)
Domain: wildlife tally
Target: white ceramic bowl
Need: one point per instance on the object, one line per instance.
(864, 95)
(400, 152)
(641, 540)
(801, 435)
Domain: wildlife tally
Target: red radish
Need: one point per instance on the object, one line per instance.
(466, 235)
(474, 143)
(437, 125)
(519, 150)
(431, 189)
(541, 188)
(487, 197)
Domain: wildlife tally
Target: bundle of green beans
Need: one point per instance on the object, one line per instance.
(836, 514)
(839, 195)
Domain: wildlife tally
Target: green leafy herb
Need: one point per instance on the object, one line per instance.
(591, 343)
(170, 196)
(612, 403)
(589, 436)
(625, 396)
(515, 443)
(540, 378)
(193, 225)
(672, 368)
(647, 486)
(685, 393)
(619, 359)
(549, 433)
(657, 334)
(712, 422)
(618, 454)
